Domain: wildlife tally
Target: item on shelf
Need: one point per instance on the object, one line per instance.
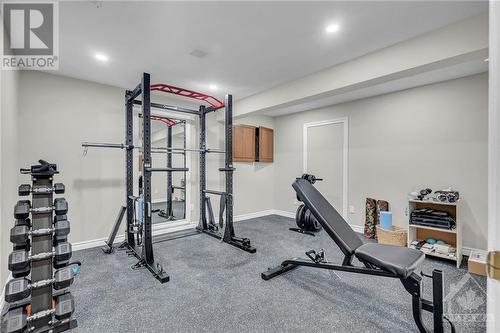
(432, 218)
(444, 249)
(386, 220)
(395, 236)
(431, 241)
(415, 245)
(434, 247)
(424, 194)
(413, 195)
(427, 248)
(447, 195)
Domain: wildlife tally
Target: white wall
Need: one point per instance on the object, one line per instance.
(254, 182)
(57, 114)
(9, 168)
(434, 136)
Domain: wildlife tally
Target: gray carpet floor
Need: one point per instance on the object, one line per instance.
(215, 287)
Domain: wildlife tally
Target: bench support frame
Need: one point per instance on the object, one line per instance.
(413, 284)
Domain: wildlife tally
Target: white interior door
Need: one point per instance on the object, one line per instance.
(325, 156)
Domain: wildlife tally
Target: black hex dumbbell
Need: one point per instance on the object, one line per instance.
(22, 209)
(59, 188)
(19, 261)
(20, 288)
(15, 321)
(65, 306)
(26, 189)
(23, 244)
(61, 237)
(20, 234)
(60, 206)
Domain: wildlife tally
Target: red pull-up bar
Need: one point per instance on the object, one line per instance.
(165, 120)
(187, 93)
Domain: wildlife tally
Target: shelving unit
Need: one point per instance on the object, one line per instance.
(452, 237)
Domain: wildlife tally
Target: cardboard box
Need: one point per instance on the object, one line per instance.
(477, 262)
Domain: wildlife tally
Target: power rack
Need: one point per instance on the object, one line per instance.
(140, 244)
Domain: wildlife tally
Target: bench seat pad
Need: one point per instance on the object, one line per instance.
(399, 260)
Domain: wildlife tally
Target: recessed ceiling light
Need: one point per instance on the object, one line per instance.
(212, 87)
(101, 57)
(332, 28)
(198, 53)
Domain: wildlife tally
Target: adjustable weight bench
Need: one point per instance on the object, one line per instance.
(380, 260)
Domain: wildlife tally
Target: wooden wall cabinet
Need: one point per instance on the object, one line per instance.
(265, 142)
(244, 143)
(253, 144)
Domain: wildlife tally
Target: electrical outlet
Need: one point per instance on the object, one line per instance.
(351, 210)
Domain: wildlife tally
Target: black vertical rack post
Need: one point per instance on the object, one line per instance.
(202, 225)
(129, 171)
(226, 197)
(228, 169)
(139, 241)
(38, 298)
(170, 190)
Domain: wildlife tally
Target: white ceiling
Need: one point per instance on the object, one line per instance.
(250, 46)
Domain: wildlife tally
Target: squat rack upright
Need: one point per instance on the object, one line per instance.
(142, 248)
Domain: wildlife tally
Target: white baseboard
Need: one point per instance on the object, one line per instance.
(249, 216)
(467, 250)
(283, 213)
(164, 229)
(356, 228)
(157, 230)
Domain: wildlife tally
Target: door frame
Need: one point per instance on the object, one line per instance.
(345, 154)
(493, 305)
(172, 226)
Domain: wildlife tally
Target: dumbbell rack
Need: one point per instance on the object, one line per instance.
(37, 298)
